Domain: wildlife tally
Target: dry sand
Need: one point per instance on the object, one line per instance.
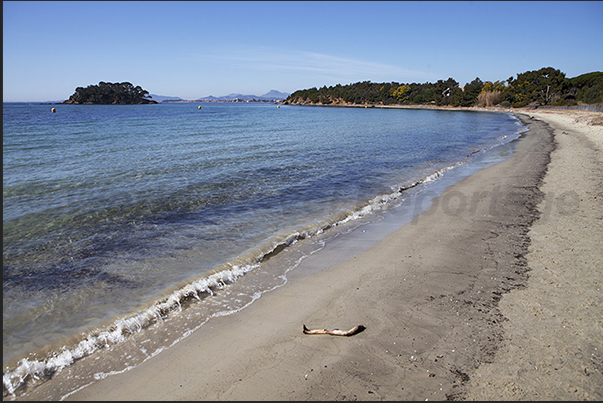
(553, 341)
(492, 293)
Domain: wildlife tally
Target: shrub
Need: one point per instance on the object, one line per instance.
(488, 98)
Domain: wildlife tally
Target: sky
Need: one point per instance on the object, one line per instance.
(194, 49)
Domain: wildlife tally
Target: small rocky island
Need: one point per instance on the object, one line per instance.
(110, 94)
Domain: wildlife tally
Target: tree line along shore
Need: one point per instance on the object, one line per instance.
(544, 87)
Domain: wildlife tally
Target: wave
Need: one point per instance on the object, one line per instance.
(37, 369)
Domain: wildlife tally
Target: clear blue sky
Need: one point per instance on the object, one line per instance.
(195, 49)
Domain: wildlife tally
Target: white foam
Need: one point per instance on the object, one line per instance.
(36, 369)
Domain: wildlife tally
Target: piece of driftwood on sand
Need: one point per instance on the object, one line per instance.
(335, 332)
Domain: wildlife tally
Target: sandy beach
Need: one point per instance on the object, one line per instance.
(493, 293)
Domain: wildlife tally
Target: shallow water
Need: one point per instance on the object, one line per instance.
(158, 217)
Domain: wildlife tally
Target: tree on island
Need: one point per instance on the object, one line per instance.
(110, 94)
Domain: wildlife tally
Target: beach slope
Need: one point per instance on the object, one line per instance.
(494, 292)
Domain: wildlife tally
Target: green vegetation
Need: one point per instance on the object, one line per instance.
(587, 88)
(110, 94)
(546, 86)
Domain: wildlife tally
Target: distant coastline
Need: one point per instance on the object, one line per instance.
(495, 108)
(170, 101)
(498, 108)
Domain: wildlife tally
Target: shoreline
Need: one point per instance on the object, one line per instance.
(430, 295)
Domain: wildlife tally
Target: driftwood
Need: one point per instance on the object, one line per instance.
(335, 332)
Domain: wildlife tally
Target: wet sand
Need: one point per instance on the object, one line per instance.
(493, 293)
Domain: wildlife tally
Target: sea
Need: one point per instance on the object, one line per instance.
(128, 227)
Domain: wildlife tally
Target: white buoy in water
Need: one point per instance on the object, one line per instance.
(53, 110)
(199, 106)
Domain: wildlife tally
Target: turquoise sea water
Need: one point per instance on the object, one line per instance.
(125, 228)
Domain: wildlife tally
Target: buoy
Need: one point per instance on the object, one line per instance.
(365, 106)
(53, 110)
(199, 106)
(278, 106)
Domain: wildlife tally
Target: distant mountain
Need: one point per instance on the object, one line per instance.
(272, 95)
(161, 98)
